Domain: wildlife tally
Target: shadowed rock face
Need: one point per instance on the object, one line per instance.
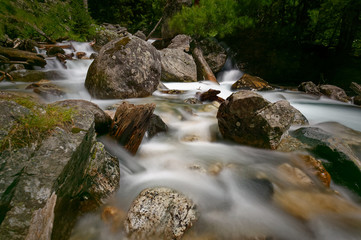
(53, 179)
(340, 146)
(247, 118)
(160, 213)
(125, 68)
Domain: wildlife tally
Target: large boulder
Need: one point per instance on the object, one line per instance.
(160, 213)
(50, 179)
(247, 118)
(214, 54)
(125, 68)
(177, 66)
(334, 92)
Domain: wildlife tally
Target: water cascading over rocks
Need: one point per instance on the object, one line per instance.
(128, 67)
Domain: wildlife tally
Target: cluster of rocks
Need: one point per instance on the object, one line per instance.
(49, 182)
(128, 66)
(332, 91)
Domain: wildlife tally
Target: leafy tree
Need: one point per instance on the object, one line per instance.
(133, 14)
(212, 18)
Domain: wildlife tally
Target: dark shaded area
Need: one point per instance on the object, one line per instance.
(344, 173)
(135, 15)
(284, 62)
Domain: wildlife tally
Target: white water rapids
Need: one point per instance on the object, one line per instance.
(231, 203)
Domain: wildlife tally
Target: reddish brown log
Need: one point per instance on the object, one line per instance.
(130, 124)
(202, 66)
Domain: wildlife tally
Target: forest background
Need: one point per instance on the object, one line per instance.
(282, 41)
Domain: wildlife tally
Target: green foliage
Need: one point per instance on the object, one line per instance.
(133, 14)
(213, 18)
(35, 126)
(56, 19)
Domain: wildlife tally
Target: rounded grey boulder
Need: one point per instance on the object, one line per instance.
(160, 213)
(127, 67)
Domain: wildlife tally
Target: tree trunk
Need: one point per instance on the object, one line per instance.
(349, 25)
(204, 72)
(130, 124)
(85, 3)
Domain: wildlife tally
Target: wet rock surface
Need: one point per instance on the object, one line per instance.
(46, 89)
(125, 68)
(107, 33)
(334, 92)
(156, 125)
(160, 213)
(340, 146)
(101, 119)
(247, 118)
(51, 180)
(310, 88)
(249, 82)
(35, 75)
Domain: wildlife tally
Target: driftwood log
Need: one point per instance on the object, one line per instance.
(203, 68)
(24, 56)
(356, 88)
(130, 124)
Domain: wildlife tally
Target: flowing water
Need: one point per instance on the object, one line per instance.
(239, 190)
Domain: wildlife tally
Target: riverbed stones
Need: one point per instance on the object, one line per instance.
(247, 118)
(310, 88)
(127, 67)
(340, 146)
(26, 75)
(177, 66)
(54, 50)
(156, 126)
(160, 213)
(50, 180)
(249, 82)
(46, 89)
(334, 92)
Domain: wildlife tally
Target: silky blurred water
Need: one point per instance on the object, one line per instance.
(229, 183)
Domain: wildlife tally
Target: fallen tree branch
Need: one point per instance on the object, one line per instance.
(4, 75)
(150, 34)
(203, 68)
